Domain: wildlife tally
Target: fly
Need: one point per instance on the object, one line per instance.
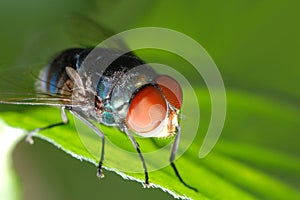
(127, 94)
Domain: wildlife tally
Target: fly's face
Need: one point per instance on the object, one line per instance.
(154, 108)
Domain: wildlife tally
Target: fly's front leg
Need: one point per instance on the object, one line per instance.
(63, 122)
(137, 147)
(96, 130)
(172, 158)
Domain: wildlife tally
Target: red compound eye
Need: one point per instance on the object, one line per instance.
(171, 89)
(147, 110)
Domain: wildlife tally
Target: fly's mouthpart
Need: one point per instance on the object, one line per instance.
(172, 121)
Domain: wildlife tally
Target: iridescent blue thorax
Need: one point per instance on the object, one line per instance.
(117, 90)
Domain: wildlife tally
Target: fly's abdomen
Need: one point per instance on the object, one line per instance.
(53, 79)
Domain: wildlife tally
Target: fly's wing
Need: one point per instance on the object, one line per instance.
(88, 33)
(18, 79)
(104, 49)
(17, 86)
(36, 100)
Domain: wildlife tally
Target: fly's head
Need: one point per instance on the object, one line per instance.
(154, 109)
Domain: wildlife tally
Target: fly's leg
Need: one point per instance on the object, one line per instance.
(172, 158)
(96, 130)
(33, 132)
(137, 147)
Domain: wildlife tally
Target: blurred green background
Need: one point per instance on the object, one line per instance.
(255, 44)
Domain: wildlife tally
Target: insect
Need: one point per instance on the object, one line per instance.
(108, 86)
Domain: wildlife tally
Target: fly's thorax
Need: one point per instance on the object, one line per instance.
(114, 93)
(126, 87)
(104, 113)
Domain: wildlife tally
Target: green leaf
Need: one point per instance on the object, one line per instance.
(257, 166)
